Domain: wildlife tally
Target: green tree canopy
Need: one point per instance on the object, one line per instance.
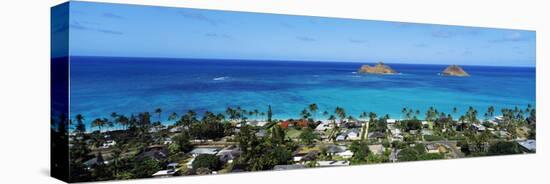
(211, 162)
(308, 136)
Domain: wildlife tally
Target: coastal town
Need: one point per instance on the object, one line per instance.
(159, 144)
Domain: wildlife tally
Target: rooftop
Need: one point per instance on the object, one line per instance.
(210, 151)
(529, 144)
(332, 163)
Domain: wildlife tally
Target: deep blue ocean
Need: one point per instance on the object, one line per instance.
(101, 85)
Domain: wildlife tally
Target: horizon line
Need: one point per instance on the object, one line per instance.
(297, 60)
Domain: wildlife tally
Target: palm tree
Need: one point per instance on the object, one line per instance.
(461, 119)
(262, 114)
(351, 118)
(325, 113)
(173, 116)
(313, 108)
(269, 113)
(114, 116)
(189, 118)
(99, 123)
(430, 114)
(491, 111)
(111, 124)
(232, 113)
(363, 115)
(80, 126)
(410, 114)
(305, 114)
(341, 113)
(372, 116)
(256, 112)
(333, 119)
(158, 111)
(123, 121)
(455, 110)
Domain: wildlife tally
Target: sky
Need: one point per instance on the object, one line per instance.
(99, 29)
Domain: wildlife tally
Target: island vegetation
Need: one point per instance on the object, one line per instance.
(455, 70)
(379, 68)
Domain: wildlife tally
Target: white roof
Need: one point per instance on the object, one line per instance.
(322, 126)
(479, 126)
(352, 133)
(165, 172)
(529, 144)
(332, 163)
(391, 120)
(345, 153)
(210, 151)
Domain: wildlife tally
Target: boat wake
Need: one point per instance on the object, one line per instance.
(220, 78)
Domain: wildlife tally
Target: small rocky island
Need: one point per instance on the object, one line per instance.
(455, 70)
(379, 68)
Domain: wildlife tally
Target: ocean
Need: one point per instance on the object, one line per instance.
(101, 85)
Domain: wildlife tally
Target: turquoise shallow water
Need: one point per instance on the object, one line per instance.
(101, 85)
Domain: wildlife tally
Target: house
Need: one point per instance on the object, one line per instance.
(376, 135)
(499, 119)
(396, 134)
(391, 121)
(288, 167)
(302, 123)
(478, 127)
(331, 163)
(170, 171)
(322, 127)
(229, 154)
(262, 123)
(424, 123)
(155, 152)
(333, 149)
(353, 135)
(492, 122)
(297, 158)
(155, 129)
(256, 123)
(205, 150)
(346, 154)
(395, 131)
(432, 148)
(427, 132)
(501, 133)
(260, 133)
(312, 155)
(529, 145)
(284, 124)
(95, 161)
(176, 129)
(168, 140)
(108, 144)
(377, 149)
(341, 137)
(397, 138)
